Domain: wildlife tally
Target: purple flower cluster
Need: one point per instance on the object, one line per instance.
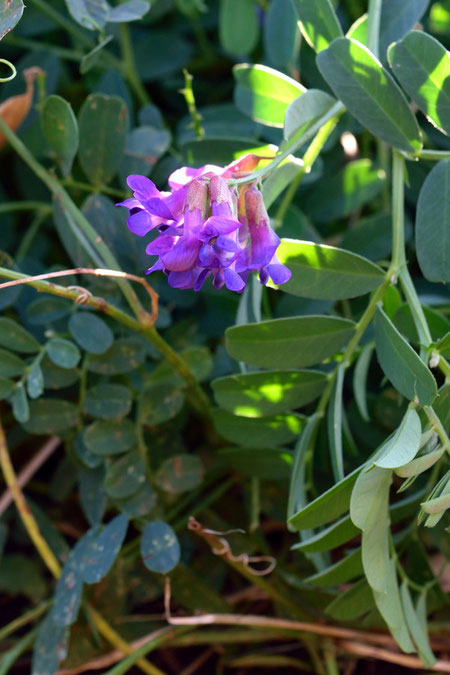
(206, 228)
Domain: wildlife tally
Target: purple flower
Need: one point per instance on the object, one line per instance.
(206, 228)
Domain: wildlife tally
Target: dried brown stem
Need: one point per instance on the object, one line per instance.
(84, 294)
(369, 652)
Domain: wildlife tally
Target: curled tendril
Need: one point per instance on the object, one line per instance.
(11, 67)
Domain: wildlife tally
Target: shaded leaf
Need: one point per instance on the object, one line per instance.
(264, 463)
(103, 124)
(180, 474)
(110, 437)
(261, 431)
(92, 14)
(131, 10)
(405, 443)
(238, 26)
(63, 353)
(159, 403)
(160, 549)
(288, 343)
(108, 401)
(305, 110)
(14, 336)
(60, 129)
(344, 570)
(401, 364)
(50, 416)
(125, 476)
(268, 393)
(11, 365)
(11, 12)
(93, 496)
(353, 603)
(124, 355)
(102, 549)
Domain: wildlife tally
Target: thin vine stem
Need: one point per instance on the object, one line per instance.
(373, 27)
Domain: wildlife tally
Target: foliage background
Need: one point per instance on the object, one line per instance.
(138, 439)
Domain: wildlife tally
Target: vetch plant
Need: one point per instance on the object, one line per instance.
(282, 374)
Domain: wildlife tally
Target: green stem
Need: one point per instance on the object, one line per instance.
(398, 214)
(197, 395)
(255, 504)
(86, 187)
(10, 657)
(437, 426)
(8, 207)
(28, 238)
(373, 26)
(130, 65)
(189, 97)
(309, 158)
(289, 147)
(433, 155)
(37, 46)
(23, 620)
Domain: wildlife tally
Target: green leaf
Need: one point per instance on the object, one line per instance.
(140, 504)
(281, 36)
(124, 355)
(264, 463)
(108, 401)
(60, 128)
(102, 550)
(297, 489)
(328, 506)
(160, 403)
(10, 13)
(6, 387)
(305, 110)
(422, 66)
(417, 626)
(326, 273)
(20, 404)
(288, 343)
(238, 26)
(405, 443)
(349, 189)
(47, 310)
(360, 379)
(50, 416)
(369, 511)
(351, 604)
(371, 237)
(131, 10)
(15, 337)
(51, 646)
(90, 332)
(198, 360)
(92, 14)
(440, 501)
(70, 586)
(35, 381)
(160, 549)
(443, 346)
(180, 474)
(86, 457)
(125, 476)
(110, 437)
(279, 179)
(63, 353)
(318, 22)
(93, 497)
(334, 419)
(331, 537)
(420, 464)
(263, 93)
(432, 219)
(10, 364)
(400, 363)
(103, 124)
(56, 377)
(261, 431)
(145, 145)
(341, 572)
(389, 605)
(268, 393)
(370, 93)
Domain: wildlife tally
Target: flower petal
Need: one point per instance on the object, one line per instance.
(142, 185)
(216, 225)
(233, 281)
(279, 273)
(183, 256)
(140, 223)
(161, 245)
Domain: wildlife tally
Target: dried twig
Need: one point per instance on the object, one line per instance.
(368, 652)
(84, 294)
(29, 470)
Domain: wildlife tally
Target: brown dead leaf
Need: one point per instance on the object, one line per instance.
(14, 110)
